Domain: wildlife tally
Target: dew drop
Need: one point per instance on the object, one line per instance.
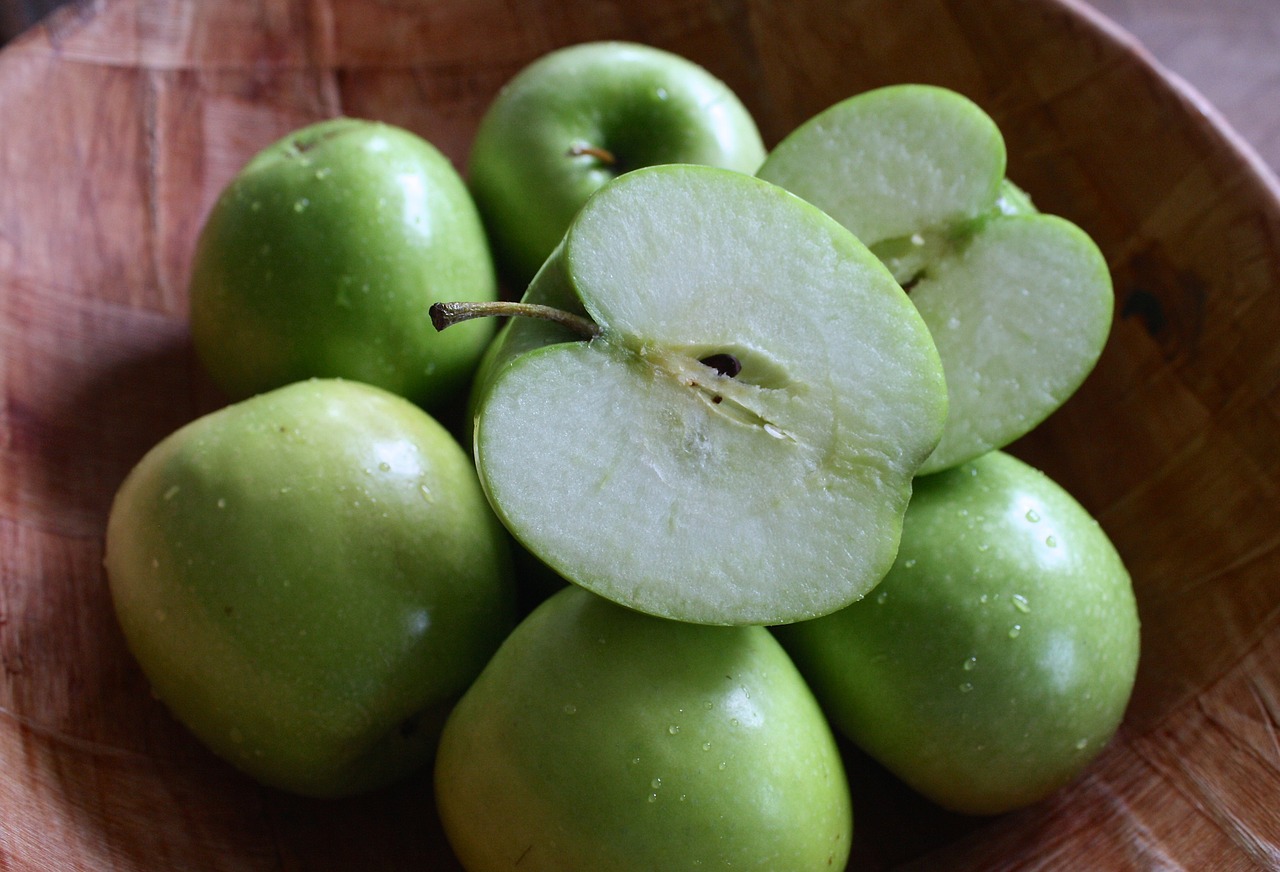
(909, 564)
(571, 709)
(722, 765)
(1020, 603)
(222, 504)
(882, 596)
(984, 599)
(301, 204)
(706, 746)
(1081, 744)
(673, 729)
(966, 687)
(1015, 631)
(171, 492)
(1033, 516)
(384, 466)
(1051, 542)
(635, 761)
(323, 173)
(655, 783)
(653, 797)
(970, 663)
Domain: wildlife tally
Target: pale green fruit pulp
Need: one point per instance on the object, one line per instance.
(635, 470)
(1019, 304)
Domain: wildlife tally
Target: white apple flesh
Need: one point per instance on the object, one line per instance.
(1019, 304)
(634, 468)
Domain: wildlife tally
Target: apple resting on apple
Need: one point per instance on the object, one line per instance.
(310, 579)
(600, 738)
(582, 115)
(997, 657)
(321, 256)
(727, 430)
(1019, 303)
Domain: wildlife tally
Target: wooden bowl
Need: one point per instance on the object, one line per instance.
(120, 122)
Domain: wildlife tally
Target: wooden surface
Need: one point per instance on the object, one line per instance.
(120, 122)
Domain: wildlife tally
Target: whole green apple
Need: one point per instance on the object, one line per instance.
(996, 658)
(582, 115)
(321, 257)
(730, 435)
(310, 579)
(600, 738)
(1019, 303)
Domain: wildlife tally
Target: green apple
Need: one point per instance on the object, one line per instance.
(310, 579)
(1019, 303)
(581, 115)
(730, 435)
(321, 257)
(600, 738)
(997, 657)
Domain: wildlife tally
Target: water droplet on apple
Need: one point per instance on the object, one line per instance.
(706, 746)
(1020, 603)
(1033, 516)
(673, 729)
(1081, 744)
(984, 599)
(966, 687)
(571, 709)
(171, 492)
(881, 597)
(323, 173)
(301, 204)
(970, 663)
(1051, 542)
(222, 503)
(656, 783)
(1015, 631)
(722, 765)
(909, 564)
(653, 797)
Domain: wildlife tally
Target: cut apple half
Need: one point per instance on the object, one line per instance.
(733, 441)
(1019, 304)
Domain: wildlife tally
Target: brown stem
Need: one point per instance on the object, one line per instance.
(447, 314)
(601, 154)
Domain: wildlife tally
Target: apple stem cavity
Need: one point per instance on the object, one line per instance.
(447, 314)
(603, 155)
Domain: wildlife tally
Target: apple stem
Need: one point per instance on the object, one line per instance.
(601, 154)
(447, 314)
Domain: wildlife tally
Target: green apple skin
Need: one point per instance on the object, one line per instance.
(601, 738)
(322, 256)
(997, 657)
(1019, 303)
(643, 105)
(773, 496)
(310, 579)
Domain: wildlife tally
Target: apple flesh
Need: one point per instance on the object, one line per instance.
(683, 488)
(582, 115)
(997, 657)
(321, 257)
(1019, 303)
(309, 580)
(601, 738)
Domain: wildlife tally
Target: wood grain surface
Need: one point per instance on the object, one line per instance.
(121, 120)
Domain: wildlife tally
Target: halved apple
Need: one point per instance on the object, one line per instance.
(1019, 303)
(727, 430)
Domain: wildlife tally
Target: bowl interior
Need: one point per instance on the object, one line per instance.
(123, 121)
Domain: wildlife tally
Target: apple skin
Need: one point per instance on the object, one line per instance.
(310, 579)
(601, 738)
(997, 657)
(644, 105)
(322, 256)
